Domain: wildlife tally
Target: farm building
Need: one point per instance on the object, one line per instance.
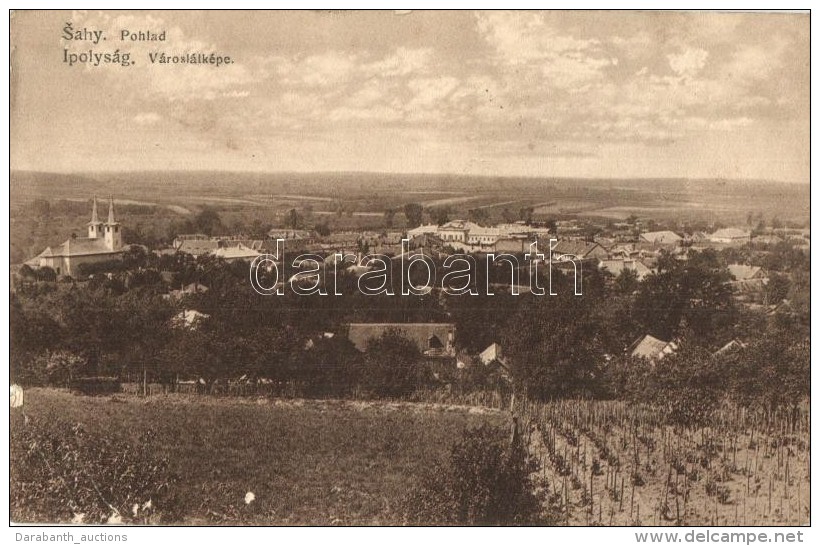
(434, 339)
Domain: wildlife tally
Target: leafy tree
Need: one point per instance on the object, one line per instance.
(46, 274)
(692, 294)
(389, 218)
(777, 289)
(323, 229)
(479, 215)
(441, 215)
(772, 372)
(209, 222)
(525, 214)
(258, 229)
(555, 345)
(393, 365)
(686, 386)
(413, 214)
(62, 366)
(627, 281)
(294, 219)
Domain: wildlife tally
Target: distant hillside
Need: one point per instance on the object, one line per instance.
(164, 184)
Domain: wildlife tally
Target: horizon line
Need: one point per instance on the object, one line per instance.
(419, 173)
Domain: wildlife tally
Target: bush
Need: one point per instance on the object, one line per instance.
(62, 473)
(487, 482)
(393, 366)
(96, 385)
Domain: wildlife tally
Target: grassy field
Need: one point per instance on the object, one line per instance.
(306, 462)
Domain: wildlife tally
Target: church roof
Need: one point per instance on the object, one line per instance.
(81, 246)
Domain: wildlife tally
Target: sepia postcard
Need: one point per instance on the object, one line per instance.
(410, 268)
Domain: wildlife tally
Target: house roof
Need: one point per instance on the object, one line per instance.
(425, 239)
(236, 252)
(485, 231)
(490, 354)
(283, 233)
(745, 272)
(421, 333)
(730, 233)
(661, 237)
(734, 345)
(198, 247)
(195, 287)
(652, 348)
(189, 318)
(615, 267)
(458, 225)
(767, 239)
(427, 228)
(575, 248)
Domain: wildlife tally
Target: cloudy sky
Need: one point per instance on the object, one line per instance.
(521, 93)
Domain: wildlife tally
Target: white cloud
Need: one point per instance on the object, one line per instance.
(689, 62)
(529, 40)
(429, 91)
(147, 118)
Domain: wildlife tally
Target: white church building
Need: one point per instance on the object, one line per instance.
(104, 243)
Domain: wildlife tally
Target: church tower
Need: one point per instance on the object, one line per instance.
(95, 227)
(113, 235)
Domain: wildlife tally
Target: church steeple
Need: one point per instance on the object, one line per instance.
(94, 218)
(111, 211)
(113, 236)
(94, 226)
